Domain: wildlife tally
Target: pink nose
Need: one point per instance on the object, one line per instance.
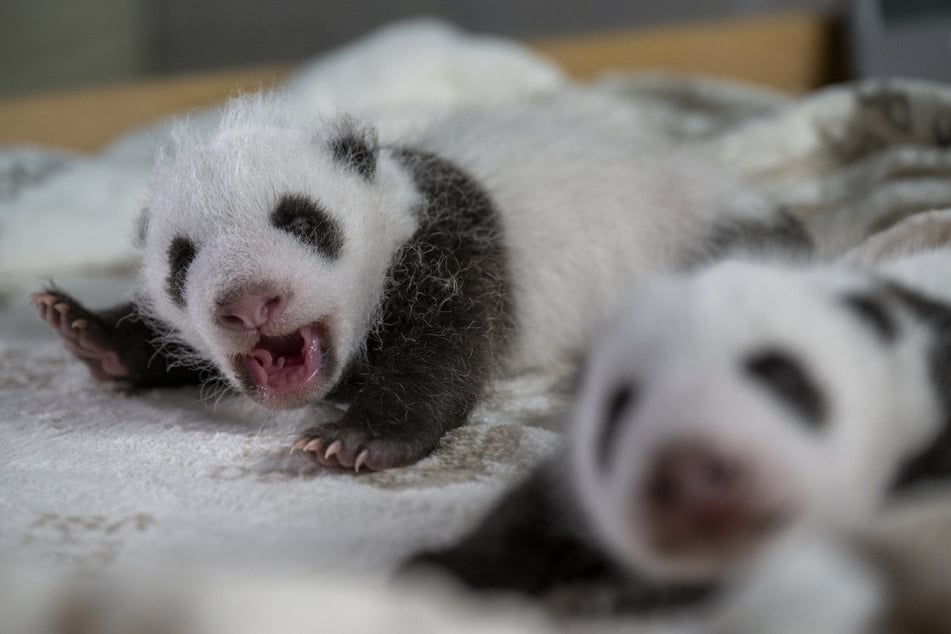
(695, 494)
(250, 311)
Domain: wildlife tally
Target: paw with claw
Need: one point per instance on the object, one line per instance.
(82, 333)
(349, 446)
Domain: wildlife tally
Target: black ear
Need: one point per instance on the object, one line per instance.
(141, 228)
(356, 147)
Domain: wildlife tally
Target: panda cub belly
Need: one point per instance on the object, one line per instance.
(722, 413)
(294, 260)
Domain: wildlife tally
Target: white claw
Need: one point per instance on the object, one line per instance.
(361, 460)
(312, 445)
(333, 449)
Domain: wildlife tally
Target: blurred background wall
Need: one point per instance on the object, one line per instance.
(51, 44)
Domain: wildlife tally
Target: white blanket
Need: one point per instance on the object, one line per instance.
(95, 479)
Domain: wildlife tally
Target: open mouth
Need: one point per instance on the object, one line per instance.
(284, 366)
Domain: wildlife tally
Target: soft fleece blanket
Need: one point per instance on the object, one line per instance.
(93, 479)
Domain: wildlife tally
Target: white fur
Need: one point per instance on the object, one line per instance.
(683, 341)
(591, 205)
(588, 207)
(887, 575)
(805, 586)
(219, 192)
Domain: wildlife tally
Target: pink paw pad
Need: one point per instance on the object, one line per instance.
(81, 335)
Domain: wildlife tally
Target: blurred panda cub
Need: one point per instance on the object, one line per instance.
(723, 413)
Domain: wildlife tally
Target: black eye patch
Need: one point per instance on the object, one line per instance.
(619, 401)
(873, 314)
(181, 253)
(308, 222)
(786, 379)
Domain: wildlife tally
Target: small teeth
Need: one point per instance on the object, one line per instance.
(263, 357)
(280, 362)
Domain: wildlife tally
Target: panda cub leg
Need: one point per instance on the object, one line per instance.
(529, 543)
(419, 382)
(535, 542)
(115, 344)
(445, 323)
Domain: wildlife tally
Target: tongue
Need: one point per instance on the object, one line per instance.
(282, 364)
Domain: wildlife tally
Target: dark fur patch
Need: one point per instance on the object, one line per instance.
(619, 401)
(151, 364)
(181, 253)
(872, 313)
(932, 463)
(787, 379)
(784, 233)
(124, 330)
(536, 541)
(445, 322)
(306, 220)
(356, 149)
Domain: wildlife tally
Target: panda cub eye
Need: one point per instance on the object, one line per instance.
(873, 315)
(786, 379)
(308, 222)
(619, 402)
(181, 254)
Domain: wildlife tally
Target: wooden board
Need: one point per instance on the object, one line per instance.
(794, 52)
(790, 52)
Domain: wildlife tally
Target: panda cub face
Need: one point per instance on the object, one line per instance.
(747, 400)
(266, 243)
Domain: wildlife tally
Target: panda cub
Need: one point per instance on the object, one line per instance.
(295, 259)
(722, 412)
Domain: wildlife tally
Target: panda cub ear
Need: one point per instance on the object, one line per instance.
(355, 147)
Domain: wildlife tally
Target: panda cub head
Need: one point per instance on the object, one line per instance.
(266, 242)
(725, 408)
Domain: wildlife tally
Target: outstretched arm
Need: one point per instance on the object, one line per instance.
(116, 344)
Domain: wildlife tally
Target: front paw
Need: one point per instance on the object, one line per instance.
(344, 445)
(82, 333)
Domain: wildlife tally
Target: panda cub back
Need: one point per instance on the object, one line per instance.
(593, 205)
